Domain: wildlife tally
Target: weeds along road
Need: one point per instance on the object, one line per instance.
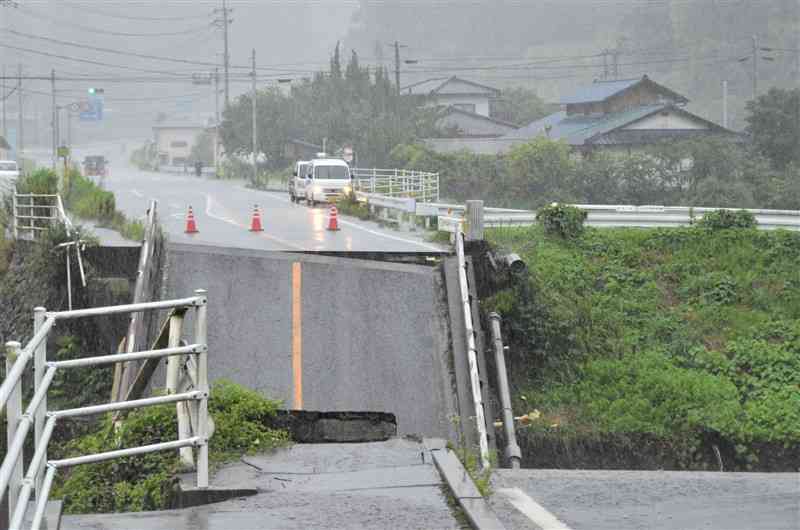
(223, 211)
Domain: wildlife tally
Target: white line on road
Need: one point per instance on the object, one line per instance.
(369, 230)
(137, 193)
(260, 234)
(532, 509)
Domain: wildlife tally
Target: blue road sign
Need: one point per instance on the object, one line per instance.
(92, 109)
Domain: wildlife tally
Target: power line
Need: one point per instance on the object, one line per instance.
(61, 21)
(95, 11)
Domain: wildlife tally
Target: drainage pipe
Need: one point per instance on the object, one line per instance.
(512, 453)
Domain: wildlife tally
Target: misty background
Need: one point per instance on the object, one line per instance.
(549, 46)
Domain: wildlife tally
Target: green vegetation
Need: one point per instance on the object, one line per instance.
(675, 334)
(350, 105)
(350, 206)
(721, 174)
(561, 220)
(147, 482)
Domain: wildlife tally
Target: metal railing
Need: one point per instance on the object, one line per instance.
(37, 212)
(626, 216)
(420, 185)
(472, 353)
(40, 473)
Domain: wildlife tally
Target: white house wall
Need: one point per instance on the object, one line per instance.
(667, 121)
(474, 126)
(165, 138)
(481, 102)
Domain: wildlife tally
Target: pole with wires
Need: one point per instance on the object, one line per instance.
(55, 118)
(255, 127)
(20, 143)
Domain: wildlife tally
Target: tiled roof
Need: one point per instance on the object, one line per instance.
(437, 85)
(604, 129)
(599, 91)
(576, 129)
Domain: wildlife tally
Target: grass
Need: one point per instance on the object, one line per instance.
(674, 333)
(146, 482)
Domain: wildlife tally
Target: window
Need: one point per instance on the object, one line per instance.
(179, 143)
(469, 107)
(331, 172)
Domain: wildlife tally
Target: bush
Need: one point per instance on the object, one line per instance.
(562, 220)
(146, 482)
(725, 219)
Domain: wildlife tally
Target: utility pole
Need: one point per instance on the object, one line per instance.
(216, 122)
(5, 132)
(20, 127)
(255, 128)
(725, 104)
(224, 22)
(755, 67)
(55, 118)
(397, 65)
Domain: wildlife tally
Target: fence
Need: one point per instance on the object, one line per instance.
(420, 185)
(626, 216)
(41, 471)
(35, 212)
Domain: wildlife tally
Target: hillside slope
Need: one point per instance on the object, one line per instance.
(664, 348)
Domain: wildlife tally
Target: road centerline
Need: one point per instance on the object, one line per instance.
(297, 335)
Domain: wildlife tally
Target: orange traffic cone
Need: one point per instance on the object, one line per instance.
(191, 225)
(333, 219)
(255, 224)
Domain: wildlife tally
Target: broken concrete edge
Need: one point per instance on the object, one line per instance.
(306, 426)
(476, 508)
(187, 496)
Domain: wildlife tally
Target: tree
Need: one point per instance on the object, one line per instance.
(542, 170)
(521, 106)
(203, 148)
(774, 123)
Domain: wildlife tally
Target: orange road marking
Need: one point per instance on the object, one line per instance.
(297, 335)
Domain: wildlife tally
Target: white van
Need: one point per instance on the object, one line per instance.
(297, 184)
(327, 179)
(9, 174)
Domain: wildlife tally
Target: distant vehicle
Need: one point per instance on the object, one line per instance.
(95, 166)
(9, 174)
(327, 180)
(297, 184)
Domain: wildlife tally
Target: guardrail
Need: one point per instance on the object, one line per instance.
(472, 353)
(628, 216)
(420, 185)
(37, 212)
(41, 471)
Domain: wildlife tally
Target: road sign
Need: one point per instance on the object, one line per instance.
(92, 110)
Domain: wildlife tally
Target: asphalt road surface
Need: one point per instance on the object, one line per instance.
(373, 486)
(645, 500)
(325, 333)
(223, 212)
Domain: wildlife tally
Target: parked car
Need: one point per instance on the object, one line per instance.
(95, 166)
(9, 174)
(327, 180)
(297, 184)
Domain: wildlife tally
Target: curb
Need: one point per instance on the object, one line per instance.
(477, 510)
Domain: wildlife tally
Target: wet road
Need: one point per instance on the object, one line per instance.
(223, 211)
(652, 500)
(386, 485)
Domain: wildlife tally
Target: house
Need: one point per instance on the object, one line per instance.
(459, 123)
(454, 92)
(296, 149)
(620, 115)
(174, 139)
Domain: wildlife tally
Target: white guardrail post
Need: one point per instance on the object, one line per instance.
(472, 355)
(39, 368)
(13, 413)
(201, 332)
